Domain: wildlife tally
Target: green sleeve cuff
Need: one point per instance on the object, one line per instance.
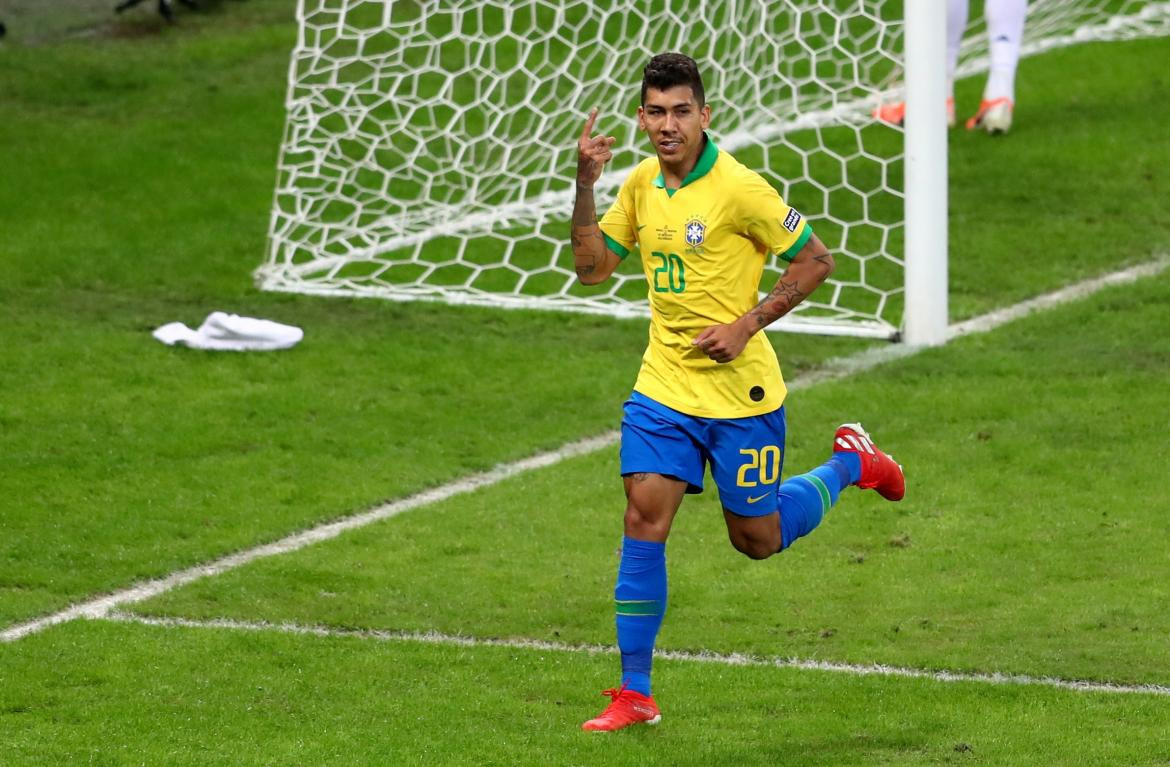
(790, 254)
(621, 250)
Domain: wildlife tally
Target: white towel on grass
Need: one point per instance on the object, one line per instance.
(231, 332)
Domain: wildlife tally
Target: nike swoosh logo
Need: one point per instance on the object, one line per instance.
(640, 228)
(758, 498)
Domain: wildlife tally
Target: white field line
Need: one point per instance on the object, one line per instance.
(1064, 295)
(725, 659)
(847, 366)
(98, 607)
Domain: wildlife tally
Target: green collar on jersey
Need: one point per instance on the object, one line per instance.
(702, 167)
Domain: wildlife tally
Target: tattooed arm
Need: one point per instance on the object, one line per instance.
(812, 266)
(592, 259)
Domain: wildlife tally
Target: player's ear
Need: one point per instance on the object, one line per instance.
(705, 116)
(641, 119)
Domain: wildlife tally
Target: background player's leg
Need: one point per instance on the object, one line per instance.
(957, 11)
(1005, 32)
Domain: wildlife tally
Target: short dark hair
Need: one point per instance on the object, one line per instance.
(667, 70)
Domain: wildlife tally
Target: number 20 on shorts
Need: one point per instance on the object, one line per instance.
(761, 467)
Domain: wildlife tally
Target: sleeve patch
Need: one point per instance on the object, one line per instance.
(792, 220)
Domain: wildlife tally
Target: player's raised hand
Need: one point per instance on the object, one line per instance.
(593, 152)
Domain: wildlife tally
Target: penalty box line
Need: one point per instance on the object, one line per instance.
(844, 367)
(716, 658)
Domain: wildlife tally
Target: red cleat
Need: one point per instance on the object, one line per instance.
(878, 471)
(894, 113)
(994, 116)
(626, 707)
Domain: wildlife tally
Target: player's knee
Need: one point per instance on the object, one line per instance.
(756, 547)
(645, 524)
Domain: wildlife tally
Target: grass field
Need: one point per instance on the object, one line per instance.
(139, 165)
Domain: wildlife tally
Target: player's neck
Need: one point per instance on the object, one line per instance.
(674, 173)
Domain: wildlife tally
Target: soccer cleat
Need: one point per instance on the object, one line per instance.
(994, 116)
(878, 471)
(626, 707)
(895, 113)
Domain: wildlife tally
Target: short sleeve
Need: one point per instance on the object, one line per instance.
(770, 222)
(617, 225)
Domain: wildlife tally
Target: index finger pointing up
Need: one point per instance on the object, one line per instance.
(585, 134)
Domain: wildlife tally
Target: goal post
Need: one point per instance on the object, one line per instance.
(429, 148)
(925, 314)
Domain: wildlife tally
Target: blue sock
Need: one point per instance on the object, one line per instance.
(640, 600)
(805, 498)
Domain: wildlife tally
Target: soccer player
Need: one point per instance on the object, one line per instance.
(709, 390)
(1005, 33)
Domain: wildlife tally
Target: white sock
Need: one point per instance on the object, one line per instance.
(1005, 32)
(956, 23)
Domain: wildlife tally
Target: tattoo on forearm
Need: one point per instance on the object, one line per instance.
(583, 236)
(777, 303)
(588, 249)
(588, 242)
(584, 209)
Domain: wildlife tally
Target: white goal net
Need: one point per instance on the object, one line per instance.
(430, 147)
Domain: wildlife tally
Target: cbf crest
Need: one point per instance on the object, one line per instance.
(695, 233)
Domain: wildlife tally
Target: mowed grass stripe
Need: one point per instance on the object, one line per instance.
(102, 605)
(101, 692)
(705, 656)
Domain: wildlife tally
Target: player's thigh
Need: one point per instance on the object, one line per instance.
(661, 461)
(652, 501)
(658, 440)
(747, 457)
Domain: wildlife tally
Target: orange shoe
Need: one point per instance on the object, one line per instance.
(878, 471)
(994, 116)
(895, 113)
(626, 707)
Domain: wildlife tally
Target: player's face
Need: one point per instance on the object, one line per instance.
(675, 122)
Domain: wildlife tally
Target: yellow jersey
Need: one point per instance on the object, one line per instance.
(703, 247)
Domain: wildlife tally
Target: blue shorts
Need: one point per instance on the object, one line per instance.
(746, 454)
